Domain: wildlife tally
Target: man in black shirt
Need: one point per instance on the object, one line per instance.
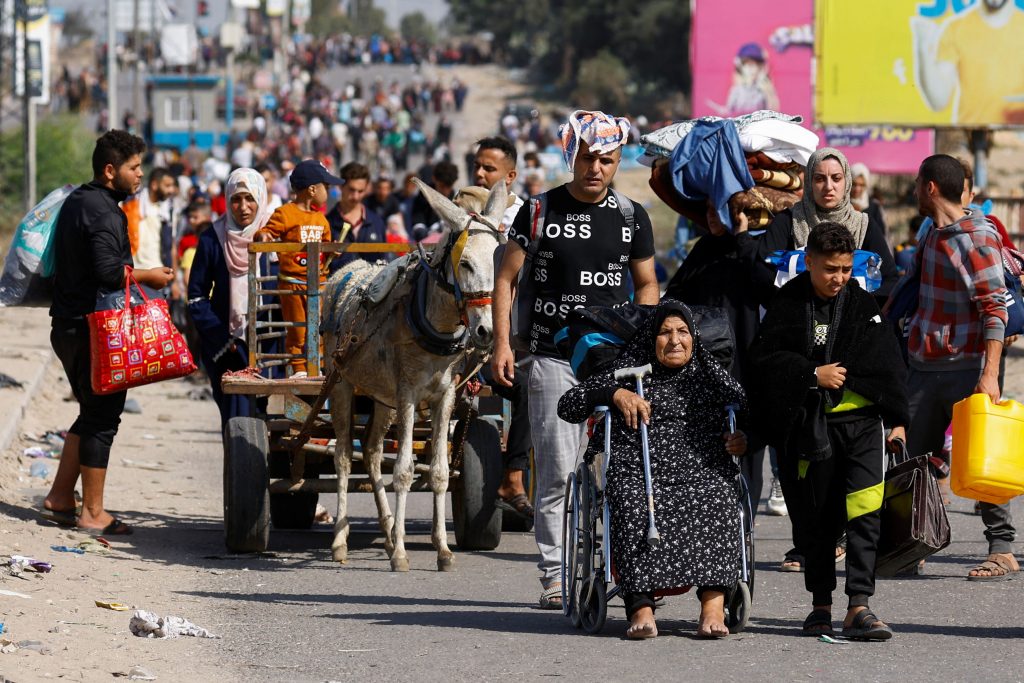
(383, 201)
(91, 252)
(424, 218)
(583, 251)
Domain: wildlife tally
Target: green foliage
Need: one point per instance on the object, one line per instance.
(601, 83)
(364, 19)
(567, 44)
(63, 155)
(416, 27)
(368, 19)
(325, 19)
(77, 27)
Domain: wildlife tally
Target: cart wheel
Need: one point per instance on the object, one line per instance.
(738, 609)
(477, 520)
(246, 500)
(293, 510)
(593, 604)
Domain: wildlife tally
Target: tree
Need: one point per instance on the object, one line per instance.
(64, 155)
(602, 83)
(558, 39)
(414, 27)
(367, 18)
(76, 27)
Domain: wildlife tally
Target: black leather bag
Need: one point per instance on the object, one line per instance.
(914, 522)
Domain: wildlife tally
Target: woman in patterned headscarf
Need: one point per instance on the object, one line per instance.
(692, 470)
(218, 284)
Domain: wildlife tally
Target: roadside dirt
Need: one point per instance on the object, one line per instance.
(170, 496)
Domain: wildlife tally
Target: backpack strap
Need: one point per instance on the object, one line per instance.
(538, 214)
(626, 207)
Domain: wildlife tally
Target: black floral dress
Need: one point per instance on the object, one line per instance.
(694, 478)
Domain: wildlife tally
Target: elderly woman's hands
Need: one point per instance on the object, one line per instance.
(735, 442)
(633, 407)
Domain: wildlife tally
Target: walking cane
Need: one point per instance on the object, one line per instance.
(653, 537)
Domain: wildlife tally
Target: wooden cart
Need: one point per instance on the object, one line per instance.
(278, 461)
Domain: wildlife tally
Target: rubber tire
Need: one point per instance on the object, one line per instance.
(738, 608)
(747, 531)
(594, 611)
(477, 519)
(246, 498)
(512, 522)
(293, 510)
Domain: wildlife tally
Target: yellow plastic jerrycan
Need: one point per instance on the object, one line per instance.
(988, 449)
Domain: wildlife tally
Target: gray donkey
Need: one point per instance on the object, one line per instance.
(400, 334)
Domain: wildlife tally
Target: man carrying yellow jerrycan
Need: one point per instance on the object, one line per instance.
(955, 348)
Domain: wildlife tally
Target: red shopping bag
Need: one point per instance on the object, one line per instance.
(135, 342)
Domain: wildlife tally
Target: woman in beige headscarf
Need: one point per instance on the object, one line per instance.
(218, 285)
(828, 182)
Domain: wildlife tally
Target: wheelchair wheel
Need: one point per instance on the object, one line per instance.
(570, 549)
(748, 539)
(747, 533)
(592, 601)
(738, 608)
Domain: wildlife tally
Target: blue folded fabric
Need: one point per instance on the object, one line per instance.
(709, 164)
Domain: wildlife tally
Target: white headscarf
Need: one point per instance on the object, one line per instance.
(235, 239)
(861, 171)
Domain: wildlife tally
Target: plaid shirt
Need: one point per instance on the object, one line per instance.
(963, 296)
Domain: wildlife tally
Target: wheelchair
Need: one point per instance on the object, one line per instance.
(587, 562)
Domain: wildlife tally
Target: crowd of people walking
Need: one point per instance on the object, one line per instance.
(818, 377)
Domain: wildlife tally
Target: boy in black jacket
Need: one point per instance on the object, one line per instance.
(828, 374)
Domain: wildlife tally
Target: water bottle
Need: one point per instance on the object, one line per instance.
(873, 274)
(39, 469)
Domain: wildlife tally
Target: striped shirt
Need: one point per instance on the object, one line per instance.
(962, 297)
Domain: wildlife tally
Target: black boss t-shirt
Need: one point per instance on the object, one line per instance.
(582, 260)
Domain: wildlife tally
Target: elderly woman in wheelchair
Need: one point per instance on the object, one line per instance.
(671, 475)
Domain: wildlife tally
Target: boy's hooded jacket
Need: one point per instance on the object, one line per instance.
(782, 385)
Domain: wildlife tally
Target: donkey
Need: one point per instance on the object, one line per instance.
(404, 351)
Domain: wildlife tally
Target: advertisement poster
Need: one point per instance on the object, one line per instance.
(750, 55)
(931, 63)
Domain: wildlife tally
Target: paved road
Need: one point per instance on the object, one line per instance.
(319, 621)
(293, 615)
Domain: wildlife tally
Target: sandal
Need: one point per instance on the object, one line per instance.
(67, 518)
(551, 598)
(115, 528)
(999, 567)
(792, 562)
(866, 626)
(643, 631)
(518, 504)
(818, 623)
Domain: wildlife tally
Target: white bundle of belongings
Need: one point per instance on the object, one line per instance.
(780, 136)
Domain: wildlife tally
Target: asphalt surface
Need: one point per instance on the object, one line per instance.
(303, 617)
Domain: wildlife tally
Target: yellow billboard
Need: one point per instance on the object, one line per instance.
(909, 63)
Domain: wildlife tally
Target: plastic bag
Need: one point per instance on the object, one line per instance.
(31, 251)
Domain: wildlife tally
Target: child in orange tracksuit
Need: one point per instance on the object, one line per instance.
(298, 221)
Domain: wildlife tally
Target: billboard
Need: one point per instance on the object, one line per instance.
(14, 12)
(751, 54)
(930, 63)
